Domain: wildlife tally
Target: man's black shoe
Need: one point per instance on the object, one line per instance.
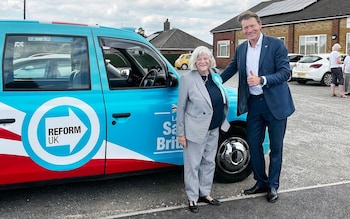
(254, 190)
(272, 195)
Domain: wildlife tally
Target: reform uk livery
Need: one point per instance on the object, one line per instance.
(82, 101)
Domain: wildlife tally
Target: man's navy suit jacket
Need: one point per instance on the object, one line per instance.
(274, 65)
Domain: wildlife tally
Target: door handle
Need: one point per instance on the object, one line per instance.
(121, 115)
(7, 121)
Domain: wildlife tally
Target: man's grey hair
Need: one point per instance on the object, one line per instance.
(248, 14)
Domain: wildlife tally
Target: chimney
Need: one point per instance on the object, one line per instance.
(166, 25)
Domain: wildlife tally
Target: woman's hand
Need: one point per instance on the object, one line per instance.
(182, 141)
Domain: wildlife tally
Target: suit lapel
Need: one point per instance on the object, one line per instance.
(201, 86)
(244, 61)
(264, 48)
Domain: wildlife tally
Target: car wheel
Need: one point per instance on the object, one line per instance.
(233, 157)
(184, 66)
(327, 79)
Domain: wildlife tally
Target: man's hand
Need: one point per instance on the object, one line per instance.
(253, 79)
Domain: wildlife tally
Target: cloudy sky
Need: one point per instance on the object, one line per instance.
(196, 17)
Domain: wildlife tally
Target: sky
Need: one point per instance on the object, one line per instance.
(195, 17)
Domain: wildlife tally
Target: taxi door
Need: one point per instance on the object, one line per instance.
(140, 107)
(52, 118)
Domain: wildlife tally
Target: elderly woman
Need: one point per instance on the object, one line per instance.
(336, 70)
(202, 107)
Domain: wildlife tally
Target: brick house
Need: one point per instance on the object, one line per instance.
(306, 26)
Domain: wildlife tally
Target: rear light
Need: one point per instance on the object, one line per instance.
(315, 65)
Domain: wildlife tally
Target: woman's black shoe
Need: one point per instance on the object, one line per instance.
(193, 206)
(206, 200)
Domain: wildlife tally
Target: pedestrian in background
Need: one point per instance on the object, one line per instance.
(201, 111)
(263, 66)
(346, 70)
(336, 71)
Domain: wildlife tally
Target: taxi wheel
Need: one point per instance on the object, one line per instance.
(233, 158)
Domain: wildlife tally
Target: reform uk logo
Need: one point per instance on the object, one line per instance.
(63, 134)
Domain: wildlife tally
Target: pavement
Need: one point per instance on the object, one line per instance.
(321, 202)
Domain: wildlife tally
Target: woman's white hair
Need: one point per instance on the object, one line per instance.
(201, 50)
(336, 47)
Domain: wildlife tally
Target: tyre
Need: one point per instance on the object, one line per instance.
(327, 79)
(233, 157)
(184, 66)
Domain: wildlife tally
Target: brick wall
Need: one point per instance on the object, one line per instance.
(291, 33)
(223, 62)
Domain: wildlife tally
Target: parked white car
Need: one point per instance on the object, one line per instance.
(293, 58)
(313, 67)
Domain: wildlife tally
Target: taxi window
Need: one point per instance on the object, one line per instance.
(132, 65)
(45, 62)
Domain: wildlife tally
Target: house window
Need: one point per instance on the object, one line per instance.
(283, 39)
(347, 42)
(223, 48)
(312, 44)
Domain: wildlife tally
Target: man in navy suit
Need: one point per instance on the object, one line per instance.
(263, 92)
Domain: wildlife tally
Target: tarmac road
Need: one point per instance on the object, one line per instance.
(315, 180)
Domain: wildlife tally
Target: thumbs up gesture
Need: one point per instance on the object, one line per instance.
(253, 79)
